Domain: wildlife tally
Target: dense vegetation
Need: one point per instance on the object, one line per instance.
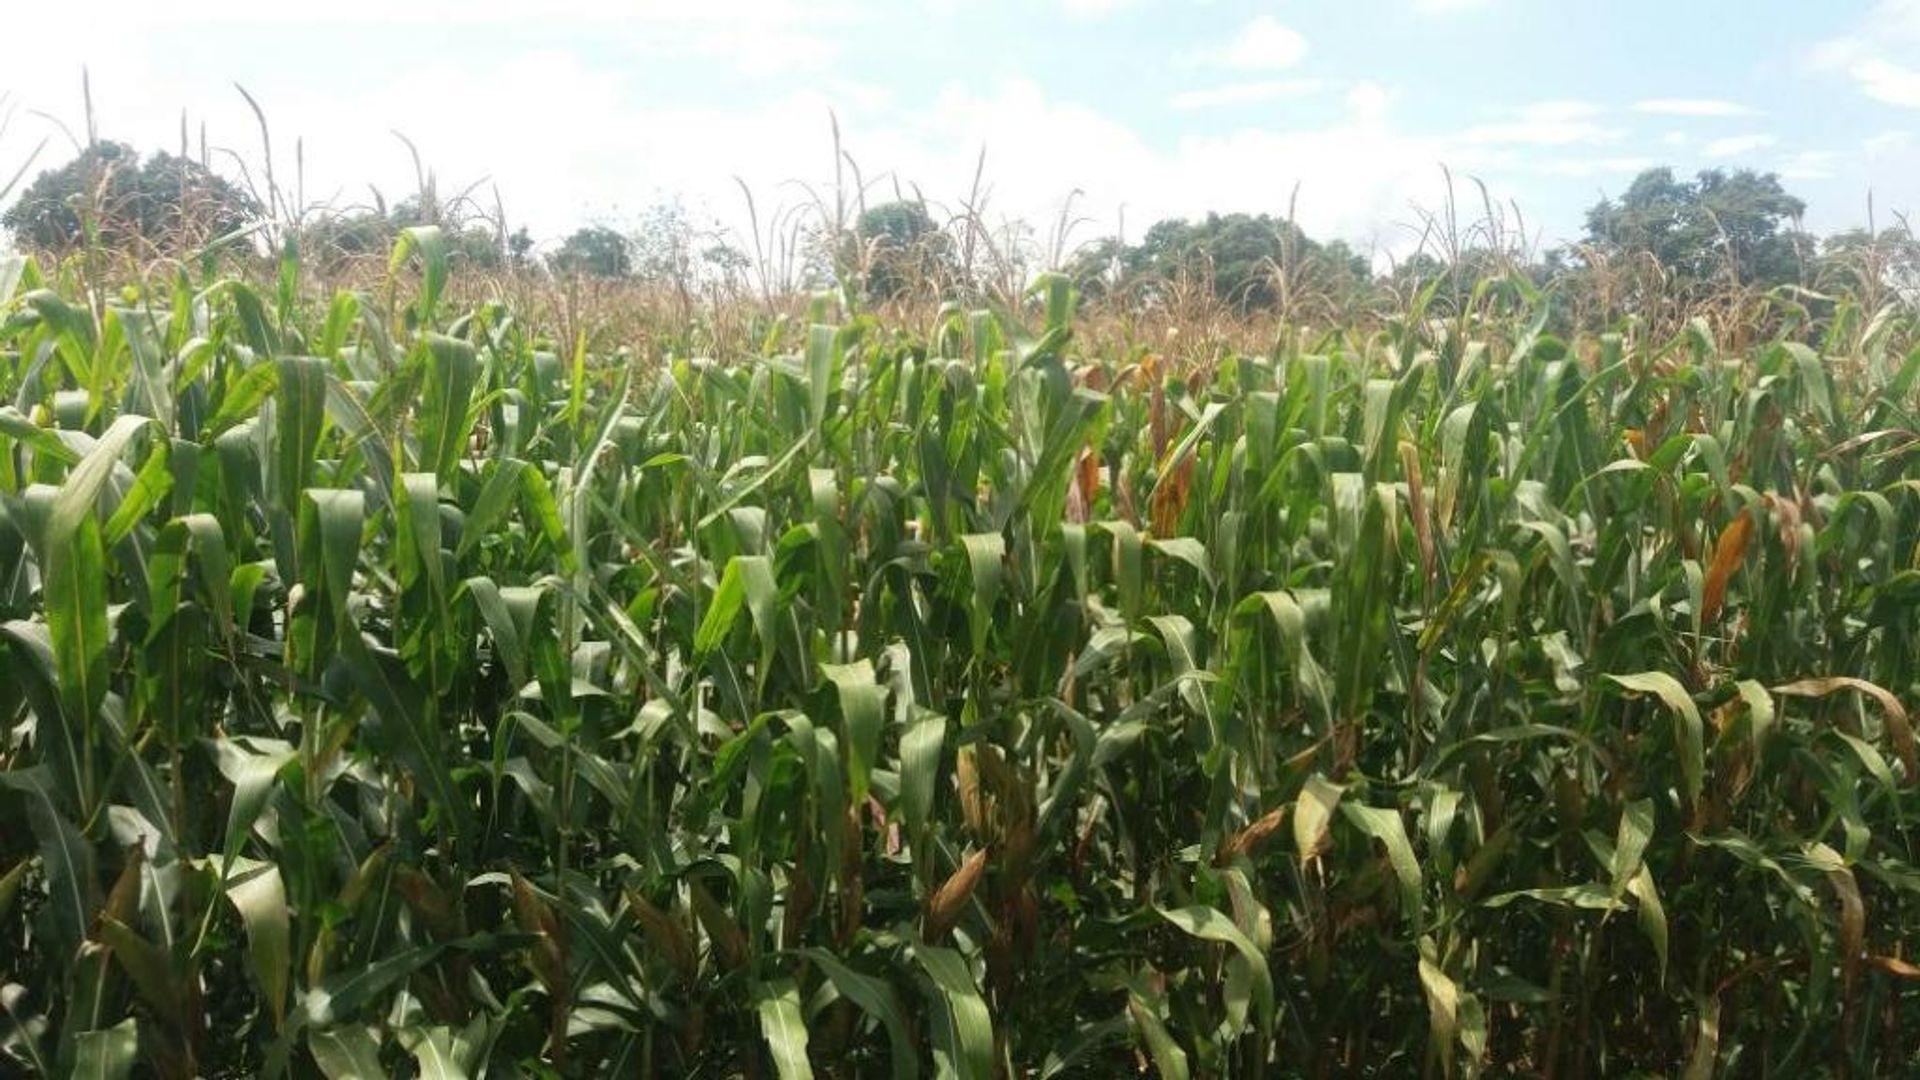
(393, 688)
(109, 197)
(1664, 242)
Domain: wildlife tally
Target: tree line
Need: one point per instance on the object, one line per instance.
(1718, 229)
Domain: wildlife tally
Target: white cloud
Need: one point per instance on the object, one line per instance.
(1546, 123)
(600, 139)
(443, 13)
(1246, 93)
(1675, 138)
(1886, 142)
(1884, 80)
(1735, 145)
(1368, 102)
(1093, 9)
(1891, 28)
(1691, 107)
(1265, 44)
(1889, 23)
(1554, 111)
(1358, 174)
(1810, 165)
(581, 163)
(1583, 167)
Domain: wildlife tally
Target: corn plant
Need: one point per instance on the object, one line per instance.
(394, 690)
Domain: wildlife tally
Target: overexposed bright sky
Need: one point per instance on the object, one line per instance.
(585, 110)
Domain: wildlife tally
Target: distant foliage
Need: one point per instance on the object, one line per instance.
(1871, 265)
(594, 251)
(898, 247)
(108, 195)
(1244, 257)
(1740, 225)
(368, 234)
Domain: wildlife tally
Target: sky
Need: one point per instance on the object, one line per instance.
(1108, 113)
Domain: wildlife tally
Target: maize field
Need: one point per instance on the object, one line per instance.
(397, 687)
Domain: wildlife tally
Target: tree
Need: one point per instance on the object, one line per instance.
(519, 249)
(1415, 272)
(594, 251)
(1098, 267)
(900, 247)
(1715, 223)
(726, 263)
(1250, 261)
(1871, 267)
(109, 191)
(1235, 252)
(472, 241)
(662, 245)
(669, 248)
(328, 236)
(1335, 273)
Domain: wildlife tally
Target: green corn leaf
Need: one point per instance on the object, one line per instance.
(66, 859)
(150, 485)
(722, 610)
(877, 999)
(300, 412)
(75, 592)
(10, 885)
(1636, 830)
(44, 442)
(1689, 737)
(778, 1003)
(963, 1028)
(1209, 925)
(1080, 1046)
(350, 1052)
(823, 369)
(446, 416)
(108, 1053)
(430, 243)
(862, 714)
(253, 775)
(1387, 827)
(434, 1050)
(1652, 914)
(147, 966)
(1144, 1012)
(243, 396)
(922, 747)
(406, 730)
(496, 498)
(418, 517)
(75, 583)
(986, 568)
(342, 996)
(260, 897)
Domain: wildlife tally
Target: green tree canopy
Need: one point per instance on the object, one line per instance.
(164, 200)
(594, 251)
(1700, 228)
(1869, 266)
(1251, 261)
(901, 246)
